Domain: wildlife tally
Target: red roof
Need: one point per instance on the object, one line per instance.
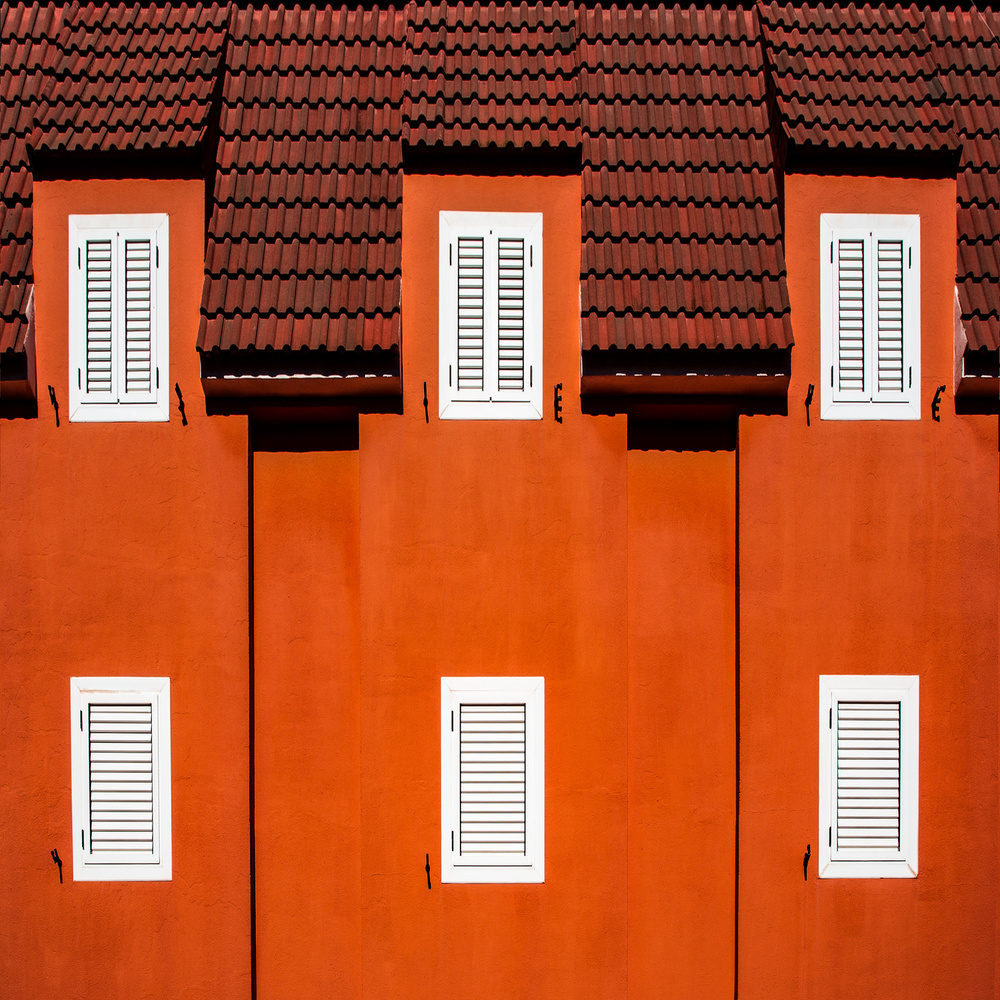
(305, 233)
(131, 77)
(492, 75)
(25, 40)
(896, 79)
(682, 242)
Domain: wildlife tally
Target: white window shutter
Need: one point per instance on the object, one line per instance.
(121, 778)
(119, 318)
(470, 313)
(869, 762)
(849, 380)
(137, 268)
(510, 314)
(492, 779)
(870, 317)
(490, 315)
(120, 769)
(99, 371)
(891, 380)
(866, 801)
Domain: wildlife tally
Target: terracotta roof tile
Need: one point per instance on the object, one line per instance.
(487, 74)
(26, 34)
(305, 231)
(130, 76)
(681, 231)
(669, 108)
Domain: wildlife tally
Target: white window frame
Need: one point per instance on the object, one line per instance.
(121, 866)
(482, 867)
(489, 401)
(870, 402)
(117, 404)
(836, 861)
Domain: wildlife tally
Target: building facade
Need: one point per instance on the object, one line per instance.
(499, 501)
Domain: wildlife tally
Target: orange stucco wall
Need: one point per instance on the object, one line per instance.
(123, 551)
(868, 547)
(307, 737)
(493, 547)
(477, 547)
(681, 724)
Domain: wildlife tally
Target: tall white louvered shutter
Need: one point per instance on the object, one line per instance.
(891, 375)
(139, 362)
(510, 314)
(870, 308)
(869, 757)
(121, 778)
(119, 317)
(99, 373)
(490, 315)
(493, 779)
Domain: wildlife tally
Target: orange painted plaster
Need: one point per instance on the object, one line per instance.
(123, 551)
(868, 548)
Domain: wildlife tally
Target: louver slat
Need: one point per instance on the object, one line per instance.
(138, 316)
(98, 368)
(851, 315)
(120, 740)
(890, 315)
(868, 775)
(470, 312)
(510, 292)
(492, 779)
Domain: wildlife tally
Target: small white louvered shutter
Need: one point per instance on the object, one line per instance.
(868, 776)
(119, 289)
(870, 307)
(490, 315)
(492, 779)
(121, 778)
(867, 793)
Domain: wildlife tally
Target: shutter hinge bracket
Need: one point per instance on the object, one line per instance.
(157, 256)
(829, 837)
(831, 718)
(81, 720)
(831, 251)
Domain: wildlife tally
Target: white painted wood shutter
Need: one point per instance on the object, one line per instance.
(119, 292)
(121, 778)
(490, 315)
(867, 765)
(869, 776)
(492, 779)
(870, 292)
(492, 782)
